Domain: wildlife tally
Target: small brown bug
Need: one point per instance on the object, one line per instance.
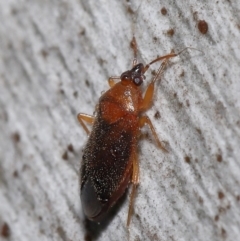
(109, 159)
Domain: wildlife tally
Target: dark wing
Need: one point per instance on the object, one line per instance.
(107, 154)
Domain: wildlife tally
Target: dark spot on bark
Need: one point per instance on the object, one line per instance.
(75, 94)
(219, 158)
(82, 32)
(15, 173)
(199, 131)
(137, 216)
(70, 148)
(87, 83)
(163, 11)
(65, 156)
(223, 233)
(200, 200)
(180, 105)
(187, 159)
(14, 11)
(129, 10)
(221, 195)
(157, 115)
(5, 230)
(153, 72)
(44, 53)
(202, 26)
(62, 233)
(16, 137)
(170, 32)
(101, 61)
(221, 210)
(195, 15)
(182, 74)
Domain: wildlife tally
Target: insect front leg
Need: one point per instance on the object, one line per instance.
(111, 80)
(84, 117)
(145, 120)
(148, 97)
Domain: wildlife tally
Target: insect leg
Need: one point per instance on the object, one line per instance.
(111, 80)
(145, 120)
(133, 45)
(168, 56)
(147, 99)
(84, 117)
(135, 181)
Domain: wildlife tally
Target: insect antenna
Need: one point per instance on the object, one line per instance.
(166, 58)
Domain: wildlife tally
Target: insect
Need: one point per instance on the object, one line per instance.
(110, 161)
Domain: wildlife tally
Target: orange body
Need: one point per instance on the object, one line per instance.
(110, 150)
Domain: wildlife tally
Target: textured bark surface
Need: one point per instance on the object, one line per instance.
(55, 59)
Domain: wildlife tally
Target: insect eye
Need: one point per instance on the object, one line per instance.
(138, 80)
(137, 74)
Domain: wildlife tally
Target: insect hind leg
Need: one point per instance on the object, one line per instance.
(145, 120)
(84, 117)
(135, 182)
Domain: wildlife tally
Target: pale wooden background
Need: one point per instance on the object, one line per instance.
(55, 59)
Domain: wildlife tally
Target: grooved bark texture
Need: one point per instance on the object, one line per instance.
(55, 59)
